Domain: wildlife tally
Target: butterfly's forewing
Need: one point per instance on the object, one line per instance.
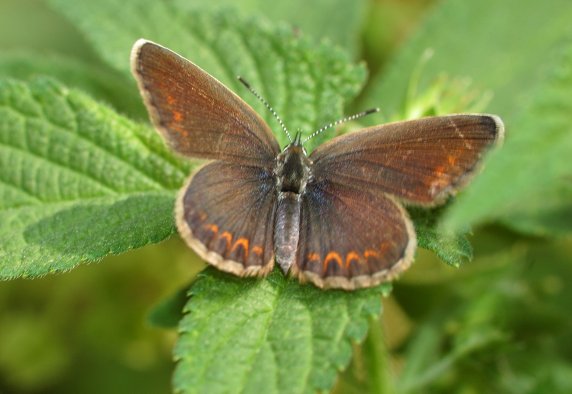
(419, 161)
(351, 238)
(195, 113)
(226, 214)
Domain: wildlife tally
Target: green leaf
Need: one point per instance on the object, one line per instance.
(307, 84)
(77, 181)
(534, 163)
(413, 380)
(169, 311)
(550, 214)
(469, 332)
(493, 45)
(343, 24)
(453, 248)
(272, 335)
(459, 323)
(517, 50)
(100, 82)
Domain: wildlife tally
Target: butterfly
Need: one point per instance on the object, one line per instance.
(334, 217)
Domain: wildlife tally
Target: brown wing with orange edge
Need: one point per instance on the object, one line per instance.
(226, 214)
(196, 114)
(420, 161)
(351, 238)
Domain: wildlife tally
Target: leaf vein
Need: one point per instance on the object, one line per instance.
(55, 163)
(79, 137)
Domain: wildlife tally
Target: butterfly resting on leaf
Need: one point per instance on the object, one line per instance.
(333, 217)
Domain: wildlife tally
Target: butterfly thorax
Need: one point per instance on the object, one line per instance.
(293, 169)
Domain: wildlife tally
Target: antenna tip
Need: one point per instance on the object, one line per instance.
(371, 111)
(243, 81)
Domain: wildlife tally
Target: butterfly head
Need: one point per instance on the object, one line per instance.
(297, 145)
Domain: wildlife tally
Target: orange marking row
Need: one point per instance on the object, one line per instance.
(351, 256)
(240, 242)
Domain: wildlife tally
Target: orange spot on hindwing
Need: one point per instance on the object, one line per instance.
(243, 242)
(370, 253)
(313, 257)
(210, 233)
(332, 256)
(312, 260)
(257, 250)
(351, 256)
(213, 228)
(227, 237)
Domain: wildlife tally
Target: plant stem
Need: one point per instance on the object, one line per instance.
(376, 359)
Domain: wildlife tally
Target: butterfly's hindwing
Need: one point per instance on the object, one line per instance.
(226, 214)
(351, 238)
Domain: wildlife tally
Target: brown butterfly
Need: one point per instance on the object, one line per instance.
(331, 218)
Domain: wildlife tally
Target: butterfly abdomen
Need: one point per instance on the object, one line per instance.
(287, 229)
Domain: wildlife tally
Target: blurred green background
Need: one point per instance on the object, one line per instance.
(501, 323)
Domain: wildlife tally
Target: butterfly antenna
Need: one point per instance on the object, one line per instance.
(340, 121)
(259, 97)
